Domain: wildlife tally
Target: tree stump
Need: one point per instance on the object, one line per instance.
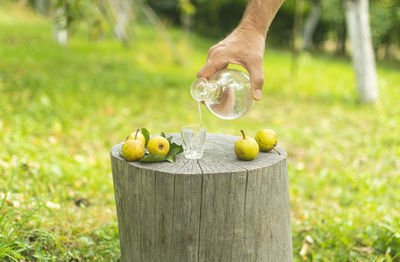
(213, 209)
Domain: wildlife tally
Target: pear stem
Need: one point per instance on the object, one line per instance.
(137, 131)
(277, 150)
(244, 136)
(126, 138)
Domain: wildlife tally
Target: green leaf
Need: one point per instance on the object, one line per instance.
(170, 157)
(176, 146)
(173, 151)
(168, 138)
(153, 158)
(163, 134)
(146, 135)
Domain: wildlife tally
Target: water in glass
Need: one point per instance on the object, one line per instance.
(193, 138)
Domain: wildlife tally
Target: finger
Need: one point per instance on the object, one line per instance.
(210, 68)
(256, 79)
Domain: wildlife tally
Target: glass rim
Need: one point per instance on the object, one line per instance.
(191, 127)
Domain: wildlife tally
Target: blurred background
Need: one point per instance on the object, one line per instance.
(76, 77)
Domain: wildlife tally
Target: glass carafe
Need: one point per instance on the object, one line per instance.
(227, 94)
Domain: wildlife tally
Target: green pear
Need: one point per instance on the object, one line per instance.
(246, 148)
(133, 149)
(267, 140)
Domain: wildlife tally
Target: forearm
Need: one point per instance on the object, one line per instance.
(245, 46)
(259, 15)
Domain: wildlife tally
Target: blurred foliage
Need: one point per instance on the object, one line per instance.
(62, 109)
(216, 18)
(84, 13)
(385, 24)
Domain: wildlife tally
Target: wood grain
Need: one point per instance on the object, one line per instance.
(213, 209)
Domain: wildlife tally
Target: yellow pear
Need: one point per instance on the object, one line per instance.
(137, 136)
(158, 145)
(246, 148)
(133, 149)
(267, 140)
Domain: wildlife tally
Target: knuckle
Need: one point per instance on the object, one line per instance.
(258, 57)
(215, 49)
(255, 57)
(212, 49)
(258, 80)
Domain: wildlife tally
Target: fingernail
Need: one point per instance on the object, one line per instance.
(258, 94)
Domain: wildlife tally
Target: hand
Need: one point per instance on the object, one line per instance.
(243, 47)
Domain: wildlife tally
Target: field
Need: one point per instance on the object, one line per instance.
(62, 109)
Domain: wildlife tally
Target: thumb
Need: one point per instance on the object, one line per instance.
(256, 79)
(209, 68)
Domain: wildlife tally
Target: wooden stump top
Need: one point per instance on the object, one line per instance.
(218, 157)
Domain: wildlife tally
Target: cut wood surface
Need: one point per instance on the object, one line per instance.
(213, 209)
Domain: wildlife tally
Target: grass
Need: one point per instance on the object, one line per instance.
(61, 110)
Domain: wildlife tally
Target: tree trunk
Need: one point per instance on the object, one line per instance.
(60, 25)
(216, 208)
(40, 6)
(310, 24)
(359, 31)
(122, 14)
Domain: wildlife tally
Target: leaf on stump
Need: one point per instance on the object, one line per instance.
(146, 135)
(152, 158)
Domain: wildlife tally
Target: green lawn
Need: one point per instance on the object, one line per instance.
(61, 110)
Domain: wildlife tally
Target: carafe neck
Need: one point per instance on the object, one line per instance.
(203, 90)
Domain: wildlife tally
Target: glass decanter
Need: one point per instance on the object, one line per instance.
(227, 94)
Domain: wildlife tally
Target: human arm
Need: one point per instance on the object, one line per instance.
(245, 45)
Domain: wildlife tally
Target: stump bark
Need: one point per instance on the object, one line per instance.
(213, 209)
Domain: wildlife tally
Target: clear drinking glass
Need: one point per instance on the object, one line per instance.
(193, 138)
